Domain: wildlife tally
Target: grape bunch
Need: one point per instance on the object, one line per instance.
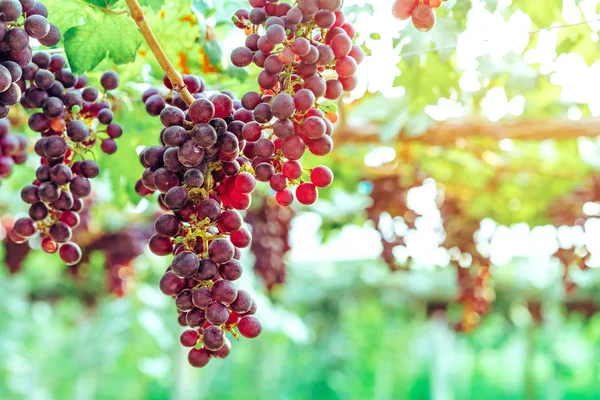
(20, 21)
(72, 118)
(421, 12)
(215, 149)
(13, 149)
(271, 225)
(308, 59)
(197, 171)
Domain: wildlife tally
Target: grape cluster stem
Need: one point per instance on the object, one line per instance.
(140, 20)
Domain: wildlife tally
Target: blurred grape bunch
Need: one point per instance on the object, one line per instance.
(568, 210)
(14, 253)
(390, 207)
(476, 293)
(120, 251)
(389, 195)
(271, 225)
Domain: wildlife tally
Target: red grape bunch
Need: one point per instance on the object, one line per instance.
(20, 21)
(13, 149)
(73, 119)
(307, 56)
(420, 12)
(214, 150)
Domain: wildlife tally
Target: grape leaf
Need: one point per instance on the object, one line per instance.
(213, 52)
(87, 45)
(83, 49)
(155, 5)
(122, 51)
(238, 73)
(67, 14)
(102, 3)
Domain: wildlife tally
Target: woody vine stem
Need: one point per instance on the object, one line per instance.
(176, 81)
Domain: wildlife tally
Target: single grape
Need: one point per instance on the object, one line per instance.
(170, 284)
(195, 318)
(109, 80)
(198, 358)
(284, 198)
(249, 326)
(160, 245)
(307, 193)
(202, 111)
(423, 18)
(241, 57)
(213, 338)
(189, 338)
(202, 297)
(70, 253)
(231, 270)
(24, 227)
(220, 251)
(241, 238)
(242, 302)
(402, 9)
(60, 232)
(204, 135)
(217, 313)
(183, 301)
(207, 270)
(185, 264)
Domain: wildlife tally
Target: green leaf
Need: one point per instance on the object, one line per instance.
(102, 3)
(213, 50)
(83, 49)
(155, 5)
(86, 46)
(67, 14)
(122, 50)
(238, 73)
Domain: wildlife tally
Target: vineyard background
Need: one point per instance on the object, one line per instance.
(454, 257)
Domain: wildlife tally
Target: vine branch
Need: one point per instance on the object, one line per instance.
(446, 133)
(176, 81)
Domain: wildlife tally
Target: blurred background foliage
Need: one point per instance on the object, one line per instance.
(455, 257)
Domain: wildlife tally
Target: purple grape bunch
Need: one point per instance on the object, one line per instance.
(72, 118)
(199, 156)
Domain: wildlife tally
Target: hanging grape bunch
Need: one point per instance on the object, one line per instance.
(20, 21)
(421, 12)
(215, 149)
(72, 119)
